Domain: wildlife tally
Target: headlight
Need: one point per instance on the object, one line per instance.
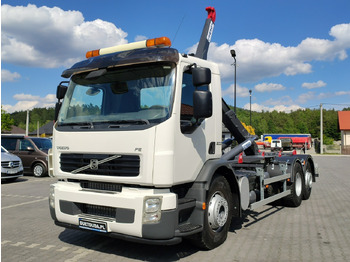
(152, 209)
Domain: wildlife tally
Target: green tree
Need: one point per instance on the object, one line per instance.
(6, 121)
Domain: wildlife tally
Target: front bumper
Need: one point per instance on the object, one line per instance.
(5, 174)
(160, 241)
(121, 212)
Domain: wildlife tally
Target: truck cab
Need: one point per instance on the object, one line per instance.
(276, 145)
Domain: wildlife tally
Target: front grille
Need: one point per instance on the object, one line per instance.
(10, 164)
(94, 210)
(89, 164)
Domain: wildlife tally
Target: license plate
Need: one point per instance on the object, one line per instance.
(93, 225)
(10, 172)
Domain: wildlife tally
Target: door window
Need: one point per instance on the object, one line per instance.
(188, 122)
(24, 144)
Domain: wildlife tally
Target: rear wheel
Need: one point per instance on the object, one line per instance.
(308, 181)
(218, 215)
(296, 187)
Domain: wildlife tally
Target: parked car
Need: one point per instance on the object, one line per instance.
(11, 166)
(32, 151)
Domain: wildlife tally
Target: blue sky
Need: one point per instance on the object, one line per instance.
(291, 54)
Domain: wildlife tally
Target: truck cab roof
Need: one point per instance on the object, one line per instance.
(134, 57)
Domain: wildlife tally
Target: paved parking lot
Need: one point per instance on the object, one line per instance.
(319, 230)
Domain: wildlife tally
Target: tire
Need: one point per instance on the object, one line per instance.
(39, 170)
(296, 196)
(308, 181)
(217, 216)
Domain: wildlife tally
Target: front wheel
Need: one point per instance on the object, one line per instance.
(218, 214)
(39, 170)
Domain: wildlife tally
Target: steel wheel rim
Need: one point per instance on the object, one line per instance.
(298, 184)
(308, 179)
(217, 212)
(38, 170)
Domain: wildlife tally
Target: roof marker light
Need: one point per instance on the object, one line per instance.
(154, 42)
(158, 42)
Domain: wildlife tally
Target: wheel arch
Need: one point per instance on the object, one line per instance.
(291, 161)
(37, 161)
(43, 163)
(313, 168)
(214, 168)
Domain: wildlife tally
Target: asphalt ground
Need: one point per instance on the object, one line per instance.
(318, 230)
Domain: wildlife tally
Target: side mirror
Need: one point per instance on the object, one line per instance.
(29, 148)
(201, 76)
(202, 104)
(61, 90)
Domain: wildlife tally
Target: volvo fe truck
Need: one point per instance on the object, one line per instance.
(138, 151)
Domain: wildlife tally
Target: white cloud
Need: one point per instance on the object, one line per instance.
(342, 33)
(51, 37)
(240, 91)
(284, 100)
(342, 93)
(317, 84)
(7, 76)
(140, 38)
(312, 96)
(257, 59)
(26, 101)
(280, 108)
(304, 98)
(269, 87)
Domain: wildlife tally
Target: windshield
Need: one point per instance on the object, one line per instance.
(139, 95)
(43, 144)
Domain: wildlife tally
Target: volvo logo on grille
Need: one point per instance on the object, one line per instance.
(93, 164)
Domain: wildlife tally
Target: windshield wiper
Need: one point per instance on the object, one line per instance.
(118, 123)
(82, 125)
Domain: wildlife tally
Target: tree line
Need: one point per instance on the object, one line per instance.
(301, 121)
(305, 121)
(41, 115)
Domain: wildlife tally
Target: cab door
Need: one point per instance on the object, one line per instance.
(195, 140)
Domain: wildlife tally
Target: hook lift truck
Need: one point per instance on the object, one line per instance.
(138, 152)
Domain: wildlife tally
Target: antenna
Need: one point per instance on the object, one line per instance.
(178, 28)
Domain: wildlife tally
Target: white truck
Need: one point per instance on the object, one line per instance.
(137, 149)
(276, 145)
